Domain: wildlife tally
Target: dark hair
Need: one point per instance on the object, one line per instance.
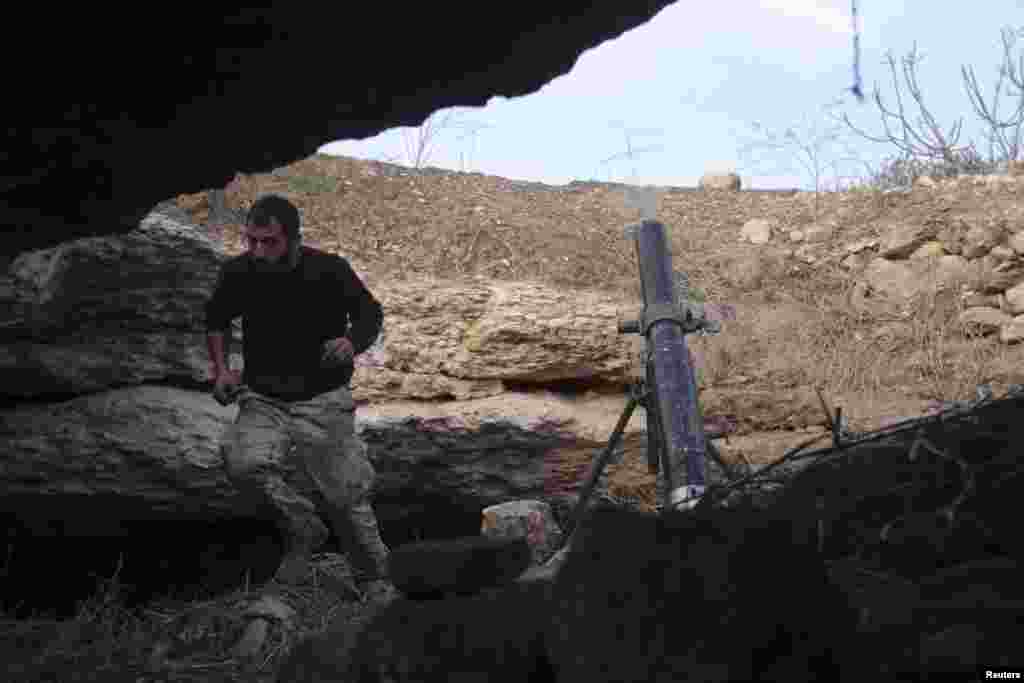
(276, 207)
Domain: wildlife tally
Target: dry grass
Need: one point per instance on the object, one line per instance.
(924, 355)
(171, 640)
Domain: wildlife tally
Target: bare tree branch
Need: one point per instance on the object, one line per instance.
(1005, 133)
(471, 131)
(630, 151)
(813, 148)
(922, 138)
(922, 144)
(419, 140)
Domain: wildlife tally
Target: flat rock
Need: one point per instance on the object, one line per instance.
(756, 231)
(984, 320)
(529, 519)
(720, 181)
(902, 240)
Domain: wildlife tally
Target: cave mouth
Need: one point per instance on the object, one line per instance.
(61, 551)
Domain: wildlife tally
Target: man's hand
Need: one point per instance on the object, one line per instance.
(337, 351)
(225, 386)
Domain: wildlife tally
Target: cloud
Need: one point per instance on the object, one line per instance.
(825, 13)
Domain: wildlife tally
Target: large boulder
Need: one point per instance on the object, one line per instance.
(87, 155)
(103, 312)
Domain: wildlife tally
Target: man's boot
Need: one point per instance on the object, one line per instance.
(356, 528)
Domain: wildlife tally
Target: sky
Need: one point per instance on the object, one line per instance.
(681, 95)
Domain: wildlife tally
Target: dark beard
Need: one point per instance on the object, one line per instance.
(284, 265)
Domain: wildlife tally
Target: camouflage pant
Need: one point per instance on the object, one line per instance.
(277, 450)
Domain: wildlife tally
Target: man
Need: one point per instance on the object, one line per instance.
(305, 316)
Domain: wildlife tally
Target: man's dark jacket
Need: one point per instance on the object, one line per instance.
(286, 318)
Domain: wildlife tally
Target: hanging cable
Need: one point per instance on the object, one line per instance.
(856, 89)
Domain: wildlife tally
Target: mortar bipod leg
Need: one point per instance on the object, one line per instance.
(599, 465)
